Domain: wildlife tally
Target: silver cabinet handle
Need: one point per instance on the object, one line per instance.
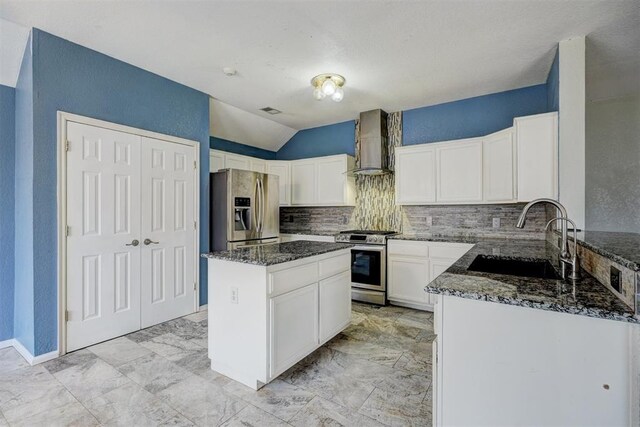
(149, 241)
(134, 242)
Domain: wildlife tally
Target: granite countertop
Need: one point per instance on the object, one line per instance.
(588, 297)
(623, 248)
(277, 253)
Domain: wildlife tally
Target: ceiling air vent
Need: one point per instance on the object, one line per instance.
(270, 110)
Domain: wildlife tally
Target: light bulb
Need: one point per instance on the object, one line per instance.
(328, 87)
(338, 95)
(318, 94)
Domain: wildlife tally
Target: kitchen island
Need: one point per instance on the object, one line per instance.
(543, 346)
(270, 306)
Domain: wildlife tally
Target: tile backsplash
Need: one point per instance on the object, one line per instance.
(474, 220)
(315, 220)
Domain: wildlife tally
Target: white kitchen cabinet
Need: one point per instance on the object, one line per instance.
(282, 169)
(236, 161)
(459, 172)
(335, 305)
(498, 165)
(216, 161)
(537, 156)
(303, 182)
(323, 181)
(258, 165)
(415, 175)
(411, 265)
(294, 327)
(264, 319)
(407, 276)
(335, 187)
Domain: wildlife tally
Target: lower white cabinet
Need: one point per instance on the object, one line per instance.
(411, 265)
(335, 305)
(294, 327)
(265, 319)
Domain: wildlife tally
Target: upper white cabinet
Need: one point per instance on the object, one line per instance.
(415, 175)
(319, 181)
(303, 182)
(258, 165)
(537, 164)
(323, 181)
(459, 177)
(498, 165)
(283, 170)
(216, 160)
(515, 164)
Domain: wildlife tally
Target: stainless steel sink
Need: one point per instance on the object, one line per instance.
(541, 269)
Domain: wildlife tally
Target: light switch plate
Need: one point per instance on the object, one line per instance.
(429, 221)
(496, 222)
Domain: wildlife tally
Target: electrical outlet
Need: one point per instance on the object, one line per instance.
(496, 222)
(234, 295)
(429, 221)
(614, 279)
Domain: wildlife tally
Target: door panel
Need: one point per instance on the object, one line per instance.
(331, 181)
(335, 305)
(459, 168)
(103, 215)
(168, 258)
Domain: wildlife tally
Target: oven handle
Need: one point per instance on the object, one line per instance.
(369, 248)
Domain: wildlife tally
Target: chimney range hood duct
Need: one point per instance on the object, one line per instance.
(374, 157)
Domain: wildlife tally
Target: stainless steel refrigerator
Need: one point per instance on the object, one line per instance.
(244, 209)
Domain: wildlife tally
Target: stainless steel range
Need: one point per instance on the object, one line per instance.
(368, 264)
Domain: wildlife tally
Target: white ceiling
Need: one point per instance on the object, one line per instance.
(394, 55)
(234, 124)
(13, 40)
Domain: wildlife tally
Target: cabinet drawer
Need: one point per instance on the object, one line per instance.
(334, 265)
(405, 247)
(448, 250)
(287, 280)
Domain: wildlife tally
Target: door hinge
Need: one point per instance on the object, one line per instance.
(195, 165)
(67, 145)
(195, 225)
(66, 315)
(194, 286)
(67, 231)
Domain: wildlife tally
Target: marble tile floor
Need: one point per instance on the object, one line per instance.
(376, 373)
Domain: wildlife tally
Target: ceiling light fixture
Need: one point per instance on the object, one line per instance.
(330, 85)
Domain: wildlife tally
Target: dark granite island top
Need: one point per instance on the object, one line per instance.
(587, 297)
(623, 248)
(277, 253)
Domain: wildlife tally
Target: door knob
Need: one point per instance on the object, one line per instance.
(149, 241)
(134, 242)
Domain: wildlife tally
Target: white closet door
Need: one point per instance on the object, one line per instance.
(168, 215)
(103, 215)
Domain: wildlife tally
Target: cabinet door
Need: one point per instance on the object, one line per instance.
(234, 161)
(498, 167)
(407, 278)
(335, 305)
(537, 154)
(331, 180)
(415, 175)
(459, 166)
(216, 161)
(282, 169)
(293, 327)
(258, 165)
(303, 182)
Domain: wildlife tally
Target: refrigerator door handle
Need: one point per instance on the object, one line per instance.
(261, 205)
(254, 211)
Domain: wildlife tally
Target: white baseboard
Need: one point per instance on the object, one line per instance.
(6, 343)
(30, 358)
(203, 307)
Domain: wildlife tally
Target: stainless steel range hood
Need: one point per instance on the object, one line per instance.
(374, 157)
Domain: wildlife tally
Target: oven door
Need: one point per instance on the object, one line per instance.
(368, 267)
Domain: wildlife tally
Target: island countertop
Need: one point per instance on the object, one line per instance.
(588, 297)
(277, 253)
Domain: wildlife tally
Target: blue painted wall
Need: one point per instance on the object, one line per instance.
(553, 84)
(338, 138)
(72, 78)
(23, 327)
(7, 206)
(471, 117)
(237, 148)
